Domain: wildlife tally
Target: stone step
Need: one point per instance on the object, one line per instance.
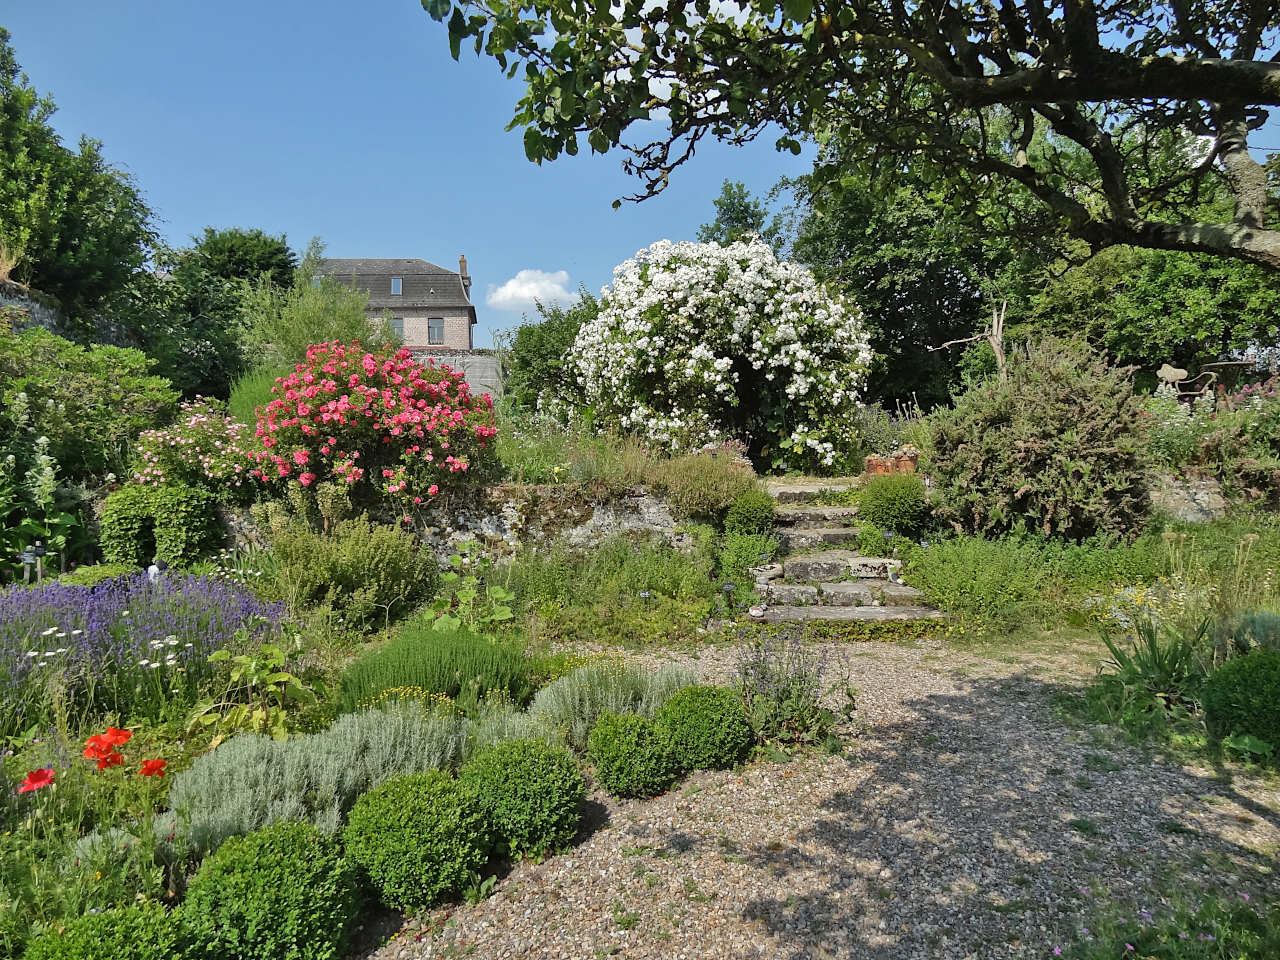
(805, 490)
(846, 593)
(814, 517)
(787, 614)
(829, 565)
(809, 538)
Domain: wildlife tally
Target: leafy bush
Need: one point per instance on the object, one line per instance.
(632, 756)
(752, 512)
(97, 645)
(283, 891)
(370, 573)
(978, 581)
(573, 704)
(702, 486)
(396, 431)
(420, 838)
(173, 523)
(142, 932)
(707, 726)
(787, 388)
(459, 665)
(738, 554)
(1243, 697)
(203, 448)
(1056, 449)
(782, 682)
(92, 574)
(252, 781)
(895, 502)
(530, 794)
(540, 373)
(91, 402)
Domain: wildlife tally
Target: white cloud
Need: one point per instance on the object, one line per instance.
(520, 292)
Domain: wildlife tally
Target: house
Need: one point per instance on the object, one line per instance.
(430, 307)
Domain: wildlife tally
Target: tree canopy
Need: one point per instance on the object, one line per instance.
(1114, 116)
(77, 226)
(239, 254)
(739, 215)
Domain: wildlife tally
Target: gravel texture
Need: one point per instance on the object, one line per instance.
(966, 819)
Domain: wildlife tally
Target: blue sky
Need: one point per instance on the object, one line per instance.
(351, 122)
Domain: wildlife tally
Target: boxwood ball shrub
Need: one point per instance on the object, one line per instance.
(92, 574)
(707, 727)
(632, 755)
(1243, 697)
(1057, 449)
(282, 891)
(895, 502)
(773, 359)
(529, 792)
(752, 512)
(143, 932)
(421, 839)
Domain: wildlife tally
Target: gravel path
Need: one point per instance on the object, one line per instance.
(966, 820)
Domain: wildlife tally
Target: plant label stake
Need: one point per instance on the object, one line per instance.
(40, 551)
(28, 558)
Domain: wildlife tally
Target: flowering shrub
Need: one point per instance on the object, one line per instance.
(392, 428)
(699, 343)
(1177, 428)
(204, 448)
(127, 645)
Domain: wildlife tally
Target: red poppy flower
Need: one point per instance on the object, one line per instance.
(117, 737)
(110, 760)
(35, 780)
(153, 768)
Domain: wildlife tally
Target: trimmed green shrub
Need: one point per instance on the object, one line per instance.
(92, 574)
(895, 502)
(173, 523)
(1057, 449)
(752, 512)
(707, 726)
(420, 838)
(252, 781)
(370, 573)
(703, 486)
(632, 755)
(283, 891)
(1243, 697)
(143, 932)
(530, 794)
(572, 704)
(461, 665)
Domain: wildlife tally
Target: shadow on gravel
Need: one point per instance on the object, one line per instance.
(984, 827)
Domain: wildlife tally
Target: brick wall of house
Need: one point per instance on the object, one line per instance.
(457, 327)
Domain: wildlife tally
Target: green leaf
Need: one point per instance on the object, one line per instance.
(457, 30)
(798, 10)
(438, 9)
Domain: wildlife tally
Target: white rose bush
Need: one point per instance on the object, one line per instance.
(696, 344)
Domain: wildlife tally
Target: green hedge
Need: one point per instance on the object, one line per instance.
(172, 523)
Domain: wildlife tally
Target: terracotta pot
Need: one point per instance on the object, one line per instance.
(905, 464)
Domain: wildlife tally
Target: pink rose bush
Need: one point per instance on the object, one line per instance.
(204, 447)
(390, 428)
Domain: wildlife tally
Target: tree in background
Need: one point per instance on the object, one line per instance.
(739, 216)
(537, 367)
(1113, 118)
(240, 254)
(77, 226)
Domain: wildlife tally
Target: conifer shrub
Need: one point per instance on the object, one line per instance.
(283, 891)
(1056, 448)
(421, 839)
(530, 793)
(632, 755)
(707, 726)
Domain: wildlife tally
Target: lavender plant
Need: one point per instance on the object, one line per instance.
(782, 682)
(126, 646)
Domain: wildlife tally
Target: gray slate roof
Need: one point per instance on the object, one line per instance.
(424, 284)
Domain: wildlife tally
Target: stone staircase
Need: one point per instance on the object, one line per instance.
(822, 576)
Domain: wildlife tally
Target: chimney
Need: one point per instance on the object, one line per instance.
(462, 269)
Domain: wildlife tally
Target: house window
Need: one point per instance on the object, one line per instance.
(397, 326)
(435, 331)
(396, 286)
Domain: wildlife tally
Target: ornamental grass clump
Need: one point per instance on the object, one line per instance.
(126, 646)
(421, 839)
(284, 891)
(530, 793)
(696, 343)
